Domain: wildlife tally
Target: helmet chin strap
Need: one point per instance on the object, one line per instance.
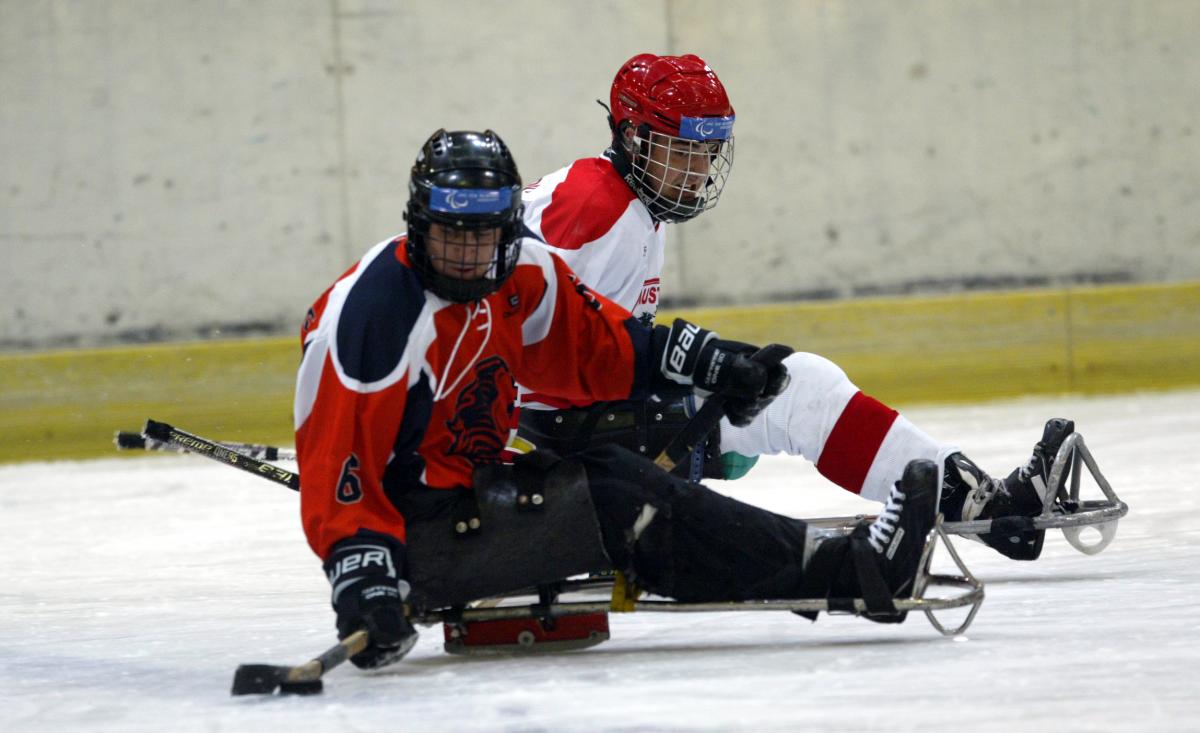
(618, 155)
(616, 152)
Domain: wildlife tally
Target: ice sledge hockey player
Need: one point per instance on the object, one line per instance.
(670, 155)
(404, 403)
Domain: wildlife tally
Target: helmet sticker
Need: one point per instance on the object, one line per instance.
(706, 128)
(470, 200)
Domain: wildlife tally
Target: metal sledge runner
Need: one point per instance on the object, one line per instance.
(554, 626)
(517, 626)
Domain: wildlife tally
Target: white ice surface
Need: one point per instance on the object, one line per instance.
(132, 589)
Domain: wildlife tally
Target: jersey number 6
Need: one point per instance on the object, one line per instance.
(349, 488)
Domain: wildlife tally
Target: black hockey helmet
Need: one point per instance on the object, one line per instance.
(468, 182)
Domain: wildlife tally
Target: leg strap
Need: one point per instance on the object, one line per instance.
(845, 568)
(871, 585)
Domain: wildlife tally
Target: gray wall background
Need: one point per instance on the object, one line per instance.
(174, 169)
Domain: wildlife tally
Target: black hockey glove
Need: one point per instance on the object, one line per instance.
(696, 356)
(369, 593)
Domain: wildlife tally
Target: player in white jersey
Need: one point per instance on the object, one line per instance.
(671, 153)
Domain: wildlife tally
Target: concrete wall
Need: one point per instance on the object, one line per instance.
(173, 169)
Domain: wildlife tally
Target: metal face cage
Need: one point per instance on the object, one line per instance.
(679, 178)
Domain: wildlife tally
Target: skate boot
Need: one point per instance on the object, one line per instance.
(968, 493)
(878, 561)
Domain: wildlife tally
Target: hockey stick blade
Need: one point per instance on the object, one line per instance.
(305, 679)
(265, 679)
(125, 440)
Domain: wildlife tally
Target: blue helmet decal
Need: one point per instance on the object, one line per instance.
(706, 128)
(470, 200)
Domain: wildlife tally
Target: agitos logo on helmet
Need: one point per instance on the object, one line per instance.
(672, 133)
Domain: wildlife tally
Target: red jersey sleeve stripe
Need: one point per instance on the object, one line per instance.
(585, 206)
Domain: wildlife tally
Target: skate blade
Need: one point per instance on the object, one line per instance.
(1066, 511)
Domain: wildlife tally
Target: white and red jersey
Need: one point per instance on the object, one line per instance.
(587, 214)
(400, 389)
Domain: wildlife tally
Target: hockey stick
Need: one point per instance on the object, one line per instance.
(181, 440)
(160, 436)
(304, 679)
(694, 431)
(707, 417)
(125, 440)
(1066, 512)
(246, 456)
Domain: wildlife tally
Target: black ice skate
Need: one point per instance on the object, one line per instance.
(969, 494)
(879, 561)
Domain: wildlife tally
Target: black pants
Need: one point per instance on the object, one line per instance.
(699, 546)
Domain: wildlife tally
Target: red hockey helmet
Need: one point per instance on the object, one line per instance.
(673, 125)
(659, 91)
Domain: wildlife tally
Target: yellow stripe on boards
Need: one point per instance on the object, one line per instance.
(958, 348)
(972, 347)
(68, 404)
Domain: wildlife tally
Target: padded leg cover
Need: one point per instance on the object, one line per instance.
(699, 545)
(513, 550)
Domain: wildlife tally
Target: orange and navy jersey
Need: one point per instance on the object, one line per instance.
(399, 388)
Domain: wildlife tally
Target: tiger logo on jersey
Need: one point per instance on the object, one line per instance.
(482, 406)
